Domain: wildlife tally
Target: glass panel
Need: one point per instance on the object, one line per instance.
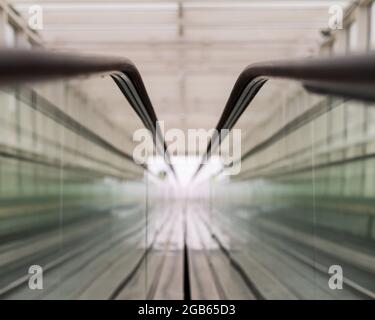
(300, 213)
(68, 204)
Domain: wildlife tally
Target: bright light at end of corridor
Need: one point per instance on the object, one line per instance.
(185, 168)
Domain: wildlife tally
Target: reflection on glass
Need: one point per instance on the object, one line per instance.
(68, 202)
(304, 201)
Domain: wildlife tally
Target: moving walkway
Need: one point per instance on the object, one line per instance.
(103, 226)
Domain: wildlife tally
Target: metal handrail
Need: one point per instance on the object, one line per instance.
(346, 76)
(19, 66)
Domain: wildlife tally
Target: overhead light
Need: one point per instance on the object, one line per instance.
(106, 6)
(263, 4)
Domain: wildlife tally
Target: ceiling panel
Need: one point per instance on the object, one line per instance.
(189, 52)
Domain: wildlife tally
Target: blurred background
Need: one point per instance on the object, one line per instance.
(73, 201)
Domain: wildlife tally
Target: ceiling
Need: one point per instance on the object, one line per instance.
(188, 52)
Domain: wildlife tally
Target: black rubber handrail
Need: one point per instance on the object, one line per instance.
(345, 76)
(18, 66)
